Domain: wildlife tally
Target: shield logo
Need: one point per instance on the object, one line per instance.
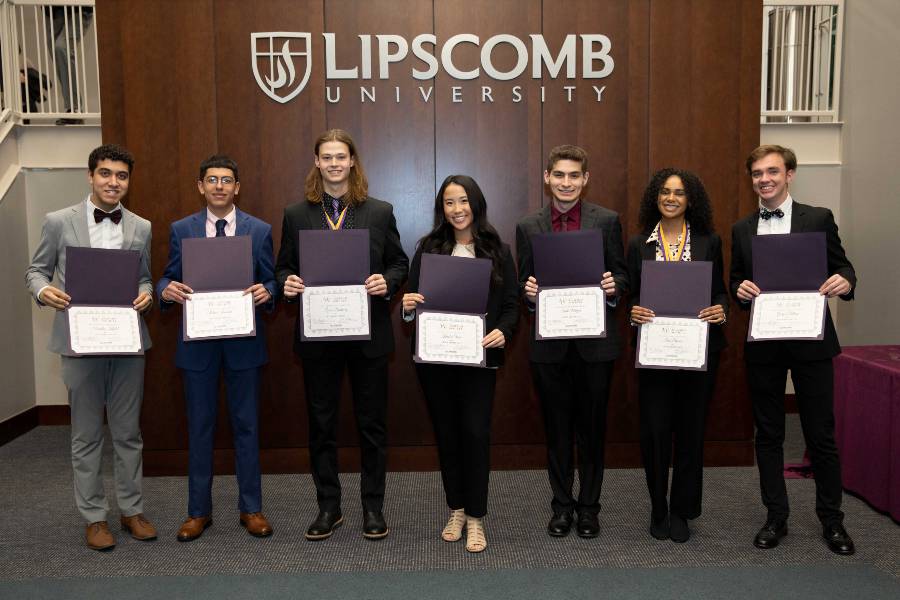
(272, 55)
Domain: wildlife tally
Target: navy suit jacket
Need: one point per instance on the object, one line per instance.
(239, 353)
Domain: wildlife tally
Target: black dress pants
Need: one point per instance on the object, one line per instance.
(673, 408)
(574, 395)
(814, 387)
(368, 380)
(460, 400)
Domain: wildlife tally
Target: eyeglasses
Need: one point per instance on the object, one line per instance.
(213, 180)
(666, 192)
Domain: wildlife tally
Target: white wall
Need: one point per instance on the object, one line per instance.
(16, 355)
(48, 190)
(870, 185)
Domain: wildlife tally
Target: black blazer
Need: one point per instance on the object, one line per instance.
(502, 306)
(592, 217)
(386, 256)
(804, 218)
(703, 247)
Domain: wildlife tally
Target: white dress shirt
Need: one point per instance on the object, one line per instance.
(775, 224)
(105, 234)
(230, 225)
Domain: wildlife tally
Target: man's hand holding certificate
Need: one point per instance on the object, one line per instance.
(218, 278)
(570, 286)
(334, 285)
(789, 289)
(100, 303)
(450, 307)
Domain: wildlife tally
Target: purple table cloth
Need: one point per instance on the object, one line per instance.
(867, 423)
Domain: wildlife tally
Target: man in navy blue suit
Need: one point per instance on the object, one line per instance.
(202, 361)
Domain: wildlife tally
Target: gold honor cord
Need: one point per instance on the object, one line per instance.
(665, 244)
(340, 222)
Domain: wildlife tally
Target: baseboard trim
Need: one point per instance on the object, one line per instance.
(53, 414)
(18, 425)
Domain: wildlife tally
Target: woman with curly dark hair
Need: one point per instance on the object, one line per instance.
(676, 225)
(460, 398)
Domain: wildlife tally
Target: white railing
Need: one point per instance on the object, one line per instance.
(49, 53)
(801, 60)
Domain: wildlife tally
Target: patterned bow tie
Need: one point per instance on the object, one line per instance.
(766, 214)
(114, 216)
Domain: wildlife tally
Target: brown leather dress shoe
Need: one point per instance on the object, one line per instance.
(139, 527)
(256, 524)
(193, 528)
(99, 537)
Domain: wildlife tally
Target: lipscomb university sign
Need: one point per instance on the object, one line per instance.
(282, 63)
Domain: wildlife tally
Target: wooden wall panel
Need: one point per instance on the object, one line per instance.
(497, 143)
(178, 85)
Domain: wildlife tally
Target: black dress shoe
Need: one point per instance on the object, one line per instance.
(560, 524)
(374, 527)
(588, 525)
(838, 539)
(324, 525)
(678, 529)
(659, 528)
(770, 534)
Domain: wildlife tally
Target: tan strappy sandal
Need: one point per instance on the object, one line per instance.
(475, 540)
(453, 531)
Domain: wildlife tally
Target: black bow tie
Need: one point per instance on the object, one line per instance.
(114, 216)
(766, 214)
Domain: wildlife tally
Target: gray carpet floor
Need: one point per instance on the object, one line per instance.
(41, 535)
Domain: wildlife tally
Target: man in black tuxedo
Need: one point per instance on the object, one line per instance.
(573, 376)
(337, 198)
(771, 170)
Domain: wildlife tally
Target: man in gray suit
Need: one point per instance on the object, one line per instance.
(95, 383)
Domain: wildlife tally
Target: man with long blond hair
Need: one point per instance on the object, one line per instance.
(337, 198)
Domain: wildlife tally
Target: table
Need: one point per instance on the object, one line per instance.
(867, 423)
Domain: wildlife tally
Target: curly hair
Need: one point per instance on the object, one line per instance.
(441, 239)
(699, 209)
(112, 152)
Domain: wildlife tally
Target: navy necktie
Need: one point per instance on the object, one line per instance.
(766, 214)
(220, 227)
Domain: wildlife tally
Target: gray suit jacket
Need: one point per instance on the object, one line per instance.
(68, 227)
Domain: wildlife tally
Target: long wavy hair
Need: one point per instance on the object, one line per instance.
(441, 239)
(699, 209)
(358, 189)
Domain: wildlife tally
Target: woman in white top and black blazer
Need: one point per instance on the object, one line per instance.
(460, 398)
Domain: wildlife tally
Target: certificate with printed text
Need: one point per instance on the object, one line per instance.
(787, 316)
(449, 338)
(570, 312)
(335, 312)
(219, 315)
(104, 330)
(673, 343)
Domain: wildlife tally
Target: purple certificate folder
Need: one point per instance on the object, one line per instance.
(454, 285)
(101, 277)
(217, 264)
(332, 258)
(568, 259)
(674, 289)
(793, 262)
